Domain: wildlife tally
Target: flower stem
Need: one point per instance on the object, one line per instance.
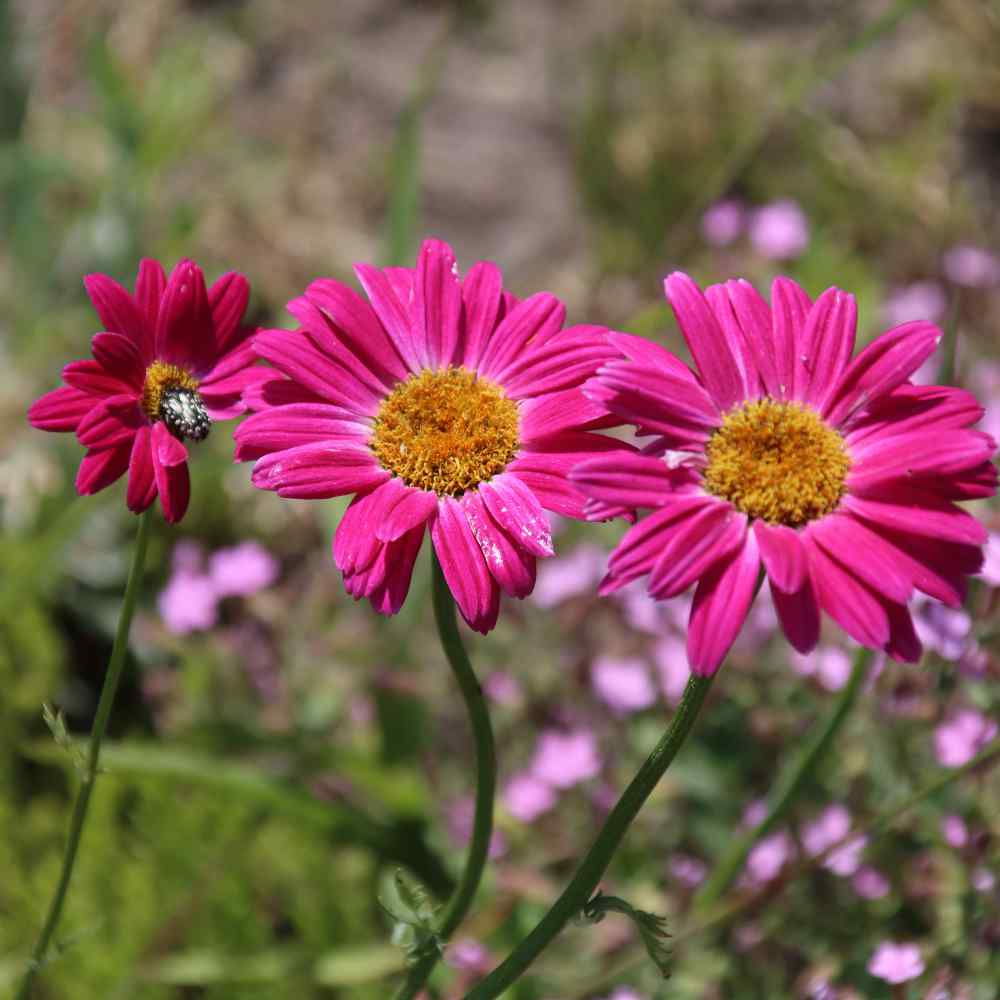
(90, 769)
(486, 779)
(581, 888)
(786, 788)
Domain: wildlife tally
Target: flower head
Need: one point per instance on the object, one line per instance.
(896, 962)
(779, 230)
(962, 736)
(446, 404)
(837, 476)
(172, 358)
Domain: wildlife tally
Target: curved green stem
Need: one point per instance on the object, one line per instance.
(89, 774)
(786, 788)
(486, 779)
(581, 888)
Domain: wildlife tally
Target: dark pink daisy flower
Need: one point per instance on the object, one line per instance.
(446, 405)
(837, 476)
(172, 358)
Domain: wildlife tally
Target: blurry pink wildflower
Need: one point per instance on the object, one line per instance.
(565, 759)
(445, 405)
(991, 563)
(570, 575)
(688, 870)
(171, 358)
(921, 300)
(242, 570)
(622, 684)
(754, 812)
(870, 883)
(846, 859)
(526, 797)
(460, 816)
(780, 230)
(971, 266)
(469, 955)
(830, 665)
(723, 222)
(670, 658)
(958, 739)
(503, 688)
(188, 603)
(896, 962)
(783, 453)
(983, 880)
(768, 857)
(832, 824)
(954, 831)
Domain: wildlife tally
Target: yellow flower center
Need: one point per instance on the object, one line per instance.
(161, 377)
(777, 461)
(446, 431)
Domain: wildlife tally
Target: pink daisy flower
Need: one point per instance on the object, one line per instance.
(445, 405)
(172, 358)
(838, 476)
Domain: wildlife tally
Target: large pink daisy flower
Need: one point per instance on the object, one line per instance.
(172, 358)
(445, 404)
(838, 476)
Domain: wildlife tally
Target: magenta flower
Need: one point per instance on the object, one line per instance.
(623, 684)
(446, 405)
(527, 797)
(961, 737)
(723, 222)
(837, 475)
(172, 358)
(565, 759)
(779, 230)
(972, 266)
(242, 570)
(896, 962)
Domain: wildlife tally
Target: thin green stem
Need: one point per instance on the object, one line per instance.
(581, 888)
(486, 780)
(786, 788)
(90, 770)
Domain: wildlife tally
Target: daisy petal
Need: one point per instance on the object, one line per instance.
(185, 335)
(790, 307)
(227, 299)
(511, 566)
(721, 602)
(116, 309)
(783, 556)
(903, 644)
(170, 471)
(438, 301)
(110, 422)
(518, 511)
(798, 614)
(150, 284)
(393, 314)
(827, 344)
(119, 357)
(60, 410)
(318, 472)
(534, 319)
(694, 547)
(919, 514)
(625, 478)
(296, 424)
(141, 473)
(101, 468)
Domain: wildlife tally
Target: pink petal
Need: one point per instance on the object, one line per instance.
(783, 555)
(903, 644)
(101, 468)
(698, 543)
(884, 364)
(318, 472)
(438, 301)
(464, 567)
(481, 299)
(141, 474)
(387, 581)
(184, 331)
(798, 614)
(790, 306)
(511, 566)
(358, 328)
(745, 320)
(827, 344)
(277, 390)
(712, 352)
(116, 309)
(393, 314)
(554, 492)
(111, 421)
(150, 284)
(241, 356)
(170, 471)
(514, 506)
(534, 319)
(721, 602)
(225, 398)
(625, 478)
(863, 553)
(567, 410)
(228, 297)
(355, 546)
(848, 601)
(61, 409)
(119, 357)
(566, 359)
(298, 356)
(560, 453)
(885, 460)
(297, 424)
(92, 378)
(413, 509)
(915, 408)
(918, 513)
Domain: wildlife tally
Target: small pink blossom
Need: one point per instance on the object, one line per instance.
(896, 962)
(622, 684)
(526, 797)
(188, 603)
(624, 993)
(943, 629)
(983, 880)
(870, 883)
(503, 688)
(565, 759)
(670, 657)
(830, 666)
(954, 831)
(469, 955)
(921, 300)
(754, 813)
(568, 576)
(832, 825)
(242, 570)
(780, 230)
(768, 857)
(991, 560)
(971, 266)
(688, 870)
(961, 737)
(723, 222)
(845, 860)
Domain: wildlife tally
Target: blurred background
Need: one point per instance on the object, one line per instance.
(275, 749)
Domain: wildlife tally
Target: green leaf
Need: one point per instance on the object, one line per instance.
(651, 927)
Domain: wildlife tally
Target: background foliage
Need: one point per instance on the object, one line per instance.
(266, 773)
